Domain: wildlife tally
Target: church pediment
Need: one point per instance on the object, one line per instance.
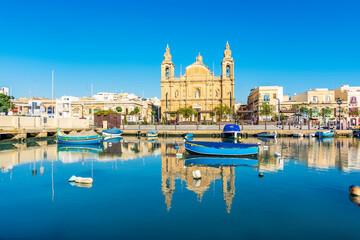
(196, 70)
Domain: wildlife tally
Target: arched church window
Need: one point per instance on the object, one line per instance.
(227, 70)
(167, 72)
(197, 93)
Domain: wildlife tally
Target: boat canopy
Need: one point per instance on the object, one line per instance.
(231, 128)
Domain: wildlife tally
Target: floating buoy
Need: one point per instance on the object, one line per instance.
(354, 190)
(72, 179)
(179, 155)
(196, 174)
(84, 180)
(277, 154)
(261, 175)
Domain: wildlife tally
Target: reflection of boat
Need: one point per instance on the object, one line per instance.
(89, 137)
(221, 148)
(113, 132)
(113, 139)
(152, 133)
(325, 134)
(325, 140)
(231, 131)
(310, 135)
(80, 148)
(215, 162)
(265, 139)
(267, 135)
(151, 139)
(356, 133)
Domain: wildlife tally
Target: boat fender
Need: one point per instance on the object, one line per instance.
(196, 174)
(84, 180)
(354, 190)
(72, 179)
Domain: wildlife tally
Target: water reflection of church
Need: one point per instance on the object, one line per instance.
(174, 169)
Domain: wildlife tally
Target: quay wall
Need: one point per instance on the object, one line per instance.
(17, 123)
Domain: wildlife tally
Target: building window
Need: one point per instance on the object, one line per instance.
(90, 111)
(76, 111)
(327, 99)
(228, 70)
(315, 99)
(274, 95)
(197, 93)
(266, 98)
(167, 72)
(353, 100)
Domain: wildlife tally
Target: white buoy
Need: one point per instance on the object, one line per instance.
(266, 148)
(72, 179)
(196, 174)
(277, 154)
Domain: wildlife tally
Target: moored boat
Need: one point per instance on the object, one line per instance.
(221, 148)
(231, 131)
(324, 134)
(188, 136)
(152, 133)
(88, 137)
(113, 132)
(298, 135)
(267, 134)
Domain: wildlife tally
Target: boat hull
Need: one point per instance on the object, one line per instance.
(324, 134)
(221, 149)
(75, 141)
(230, 135)
(111, 135)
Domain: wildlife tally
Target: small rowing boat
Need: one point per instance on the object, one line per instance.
(88, 137)
(324, 134)
(113, 132)
(152, 133)
(267, 135)
(221, 148)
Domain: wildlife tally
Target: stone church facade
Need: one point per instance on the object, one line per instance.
(198, 87)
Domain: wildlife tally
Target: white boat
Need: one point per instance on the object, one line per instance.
(112, 133)
(309, 135)
(298, 135)
(267, 135)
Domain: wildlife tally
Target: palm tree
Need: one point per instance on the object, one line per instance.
(187, 112)
(222, 110)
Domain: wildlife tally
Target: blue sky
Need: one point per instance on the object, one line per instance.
(118, 46)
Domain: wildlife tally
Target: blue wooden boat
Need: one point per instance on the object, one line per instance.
(188, 136)
(356, 133)
(324, 134)
(113, 132)
(89, 137)
(113, 139)
(217, 162)
(152, 133)
(221, 148)
(231, 131)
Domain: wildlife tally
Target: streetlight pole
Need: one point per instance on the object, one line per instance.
(339, 102)
(278, 110)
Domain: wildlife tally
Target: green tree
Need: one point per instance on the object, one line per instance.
(222, 110)
(5, 103)
(153, 116)
(266, 109)
(186, 112)
(119, 109)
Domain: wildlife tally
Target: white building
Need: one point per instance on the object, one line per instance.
(351, 95)
(5, 91)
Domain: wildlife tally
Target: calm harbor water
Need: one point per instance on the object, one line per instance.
(141, 191)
